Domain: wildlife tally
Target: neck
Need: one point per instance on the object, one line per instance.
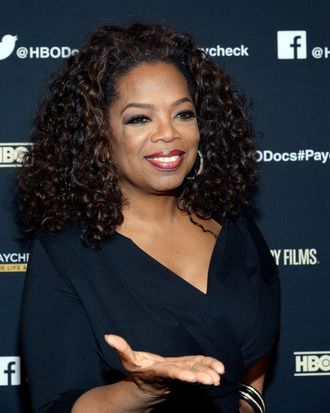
(151, 210)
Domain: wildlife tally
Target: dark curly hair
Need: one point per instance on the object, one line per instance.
(69, 173)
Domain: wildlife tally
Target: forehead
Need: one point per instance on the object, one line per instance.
(158, 79)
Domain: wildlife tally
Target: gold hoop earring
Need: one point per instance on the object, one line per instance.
(201, 166)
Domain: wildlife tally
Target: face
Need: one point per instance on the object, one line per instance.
(153, 129)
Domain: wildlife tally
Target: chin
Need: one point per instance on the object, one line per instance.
(170, 185)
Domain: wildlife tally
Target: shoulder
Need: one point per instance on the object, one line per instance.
(68, 255)
(245, 226)
(245, 232)
(68, 237)
(58, 249)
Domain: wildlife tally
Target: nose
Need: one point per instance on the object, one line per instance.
(165, 130)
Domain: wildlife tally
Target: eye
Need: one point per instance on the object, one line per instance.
(186, 114)
(136, 119)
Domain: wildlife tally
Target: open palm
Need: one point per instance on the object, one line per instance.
(150, 370)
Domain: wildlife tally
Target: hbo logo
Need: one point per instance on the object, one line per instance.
(11, 154)
(317, 363)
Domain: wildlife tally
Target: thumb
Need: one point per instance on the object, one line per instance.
(121, 346)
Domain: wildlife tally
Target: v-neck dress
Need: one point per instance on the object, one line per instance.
(73, 295)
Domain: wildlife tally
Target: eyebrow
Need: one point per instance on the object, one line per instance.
(148, 105)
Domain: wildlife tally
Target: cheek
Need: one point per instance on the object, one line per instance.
(128, 150)
(192, 130)
(195, 135)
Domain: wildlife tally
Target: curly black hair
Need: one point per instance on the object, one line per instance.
(69, 173)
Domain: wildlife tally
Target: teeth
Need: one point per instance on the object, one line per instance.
(166, 159)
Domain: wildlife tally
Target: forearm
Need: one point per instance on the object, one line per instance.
(245, 407)
(121, 397)
(254, 377)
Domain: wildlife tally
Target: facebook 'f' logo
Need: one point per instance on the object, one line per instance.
(10, 371)
(291, 44)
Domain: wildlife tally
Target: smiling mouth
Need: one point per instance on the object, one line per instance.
(167, 163)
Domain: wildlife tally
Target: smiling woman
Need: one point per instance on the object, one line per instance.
(137, 191)
(154, 140)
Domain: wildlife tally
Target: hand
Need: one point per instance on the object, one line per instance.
(150, 371)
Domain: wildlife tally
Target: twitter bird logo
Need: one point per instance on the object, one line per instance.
(7, 46)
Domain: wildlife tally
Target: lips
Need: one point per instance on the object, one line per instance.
(166, 160)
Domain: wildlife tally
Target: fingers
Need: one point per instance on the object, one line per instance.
(209, 377)
(214, 364)
(205, 360)
(207, 370)
(120, 344)
(191, 373)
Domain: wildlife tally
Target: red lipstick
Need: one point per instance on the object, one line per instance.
(166, 160)
(165, 153)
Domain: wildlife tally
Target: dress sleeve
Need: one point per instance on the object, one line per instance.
(60, 352)
(265, 326)
(268, 268)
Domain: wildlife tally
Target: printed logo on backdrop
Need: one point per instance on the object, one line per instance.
(14, 261)
(292, 44)
(295, 256)
(10, 371)
(301, 155)
(222, 51)
(11, 154)
(8, 44)
(312, 363)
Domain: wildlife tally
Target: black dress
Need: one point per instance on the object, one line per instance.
(74, 295)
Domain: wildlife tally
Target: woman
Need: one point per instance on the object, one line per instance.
(137, 189)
